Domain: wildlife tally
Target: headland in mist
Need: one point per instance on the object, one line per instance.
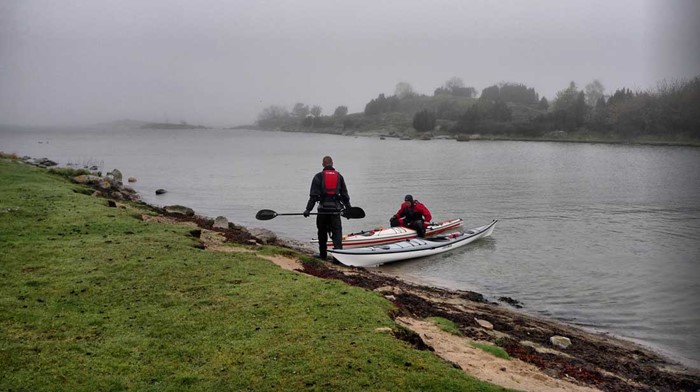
(513, 111)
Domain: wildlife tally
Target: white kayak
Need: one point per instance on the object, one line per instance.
(393, 234)
(409, 249)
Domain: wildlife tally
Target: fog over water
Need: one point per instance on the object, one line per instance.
(220, 63)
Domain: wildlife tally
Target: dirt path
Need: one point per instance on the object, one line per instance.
(512, 373)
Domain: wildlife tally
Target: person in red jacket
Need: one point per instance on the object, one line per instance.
(412, 214)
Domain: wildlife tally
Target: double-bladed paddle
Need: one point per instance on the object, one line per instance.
(350, 213)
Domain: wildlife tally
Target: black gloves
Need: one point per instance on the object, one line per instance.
(306, 213)
(394, 221)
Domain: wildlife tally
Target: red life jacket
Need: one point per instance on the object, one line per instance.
(411, 212)
(331, 185)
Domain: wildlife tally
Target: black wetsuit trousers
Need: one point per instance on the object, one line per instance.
(417, 225)
(329, 224)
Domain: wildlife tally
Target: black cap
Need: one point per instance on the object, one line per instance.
(408, 198)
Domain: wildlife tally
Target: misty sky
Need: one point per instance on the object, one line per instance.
(220, 63)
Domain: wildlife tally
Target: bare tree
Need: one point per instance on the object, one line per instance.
(454, 83)
(565, 98)
(404, 90)
(594, 91)
(300, 110)
(340, 111)
(272, 113)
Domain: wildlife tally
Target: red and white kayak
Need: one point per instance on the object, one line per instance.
(382, 235)
(409, 249)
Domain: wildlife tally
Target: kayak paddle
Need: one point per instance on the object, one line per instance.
(350, 213)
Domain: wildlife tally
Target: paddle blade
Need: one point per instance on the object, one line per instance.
(265, 215)
(353, 213)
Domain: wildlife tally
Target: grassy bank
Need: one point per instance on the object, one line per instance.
(95, 298)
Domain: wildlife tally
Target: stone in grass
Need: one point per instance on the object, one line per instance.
(44, 162)
(116, 174)
(220, 222)
(86, 179)
(560, 341)
(263, 236)
(484, 324)
(179, 210)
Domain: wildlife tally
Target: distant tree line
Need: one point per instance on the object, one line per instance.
(382, 104)
(514, 109)
(455, 87)
(672, 109)
(511, 92)
(300, 115)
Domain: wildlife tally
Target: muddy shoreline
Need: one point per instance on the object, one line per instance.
(595, 360)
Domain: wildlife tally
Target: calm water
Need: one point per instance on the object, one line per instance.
(602, 236)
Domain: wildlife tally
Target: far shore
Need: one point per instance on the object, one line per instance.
(412, 135)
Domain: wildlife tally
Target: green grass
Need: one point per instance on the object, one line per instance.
(446, 325)
(495, 350)
(68, 172)
(93, 298)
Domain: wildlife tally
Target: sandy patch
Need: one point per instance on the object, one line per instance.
(214, 241)
(511, 373)
(168, 220)
(286, 263)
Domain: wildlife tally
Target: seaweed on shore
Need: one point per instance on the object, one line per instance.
(593, 360)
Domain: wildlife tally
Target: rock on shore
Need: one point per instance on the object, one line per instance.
(109, 186)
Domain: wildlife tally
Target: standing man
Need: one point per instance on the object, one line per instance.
(329, 190)
(412, 214)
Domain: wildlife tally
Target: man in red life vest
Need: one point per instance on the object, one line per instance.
(412, 214)
(329, 190)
